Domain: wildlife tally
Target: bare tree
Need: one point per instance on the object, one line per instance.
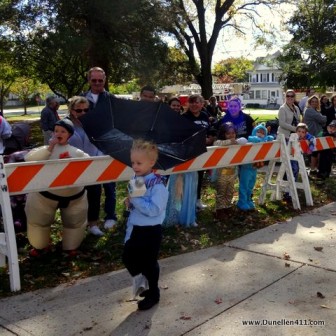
(198, 38)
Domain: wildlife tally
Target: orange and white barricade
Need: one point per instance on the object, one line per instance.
(291, 151)
(25, 177)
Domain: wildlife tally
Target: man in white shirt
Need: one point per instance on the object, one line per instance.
(303, 101)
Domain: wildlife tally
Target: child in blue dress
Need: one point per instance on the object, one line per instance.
(147, 208)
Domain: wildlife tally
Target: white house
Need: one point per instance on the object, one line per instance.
(264, 87)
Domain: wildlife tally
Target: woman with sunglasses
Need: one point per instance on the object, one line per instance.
(78, 106)
(288, 115)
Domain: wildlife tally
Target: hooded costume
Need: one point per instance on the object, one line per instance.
(248, 172)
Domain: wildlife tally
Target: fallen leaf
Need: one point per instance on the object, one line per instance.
(287, 265)
(318, 248)
(218, 301)
(311, 260)
(183, 248)
(324, 306)
(185, 317)
(320, 295)
(286, 256)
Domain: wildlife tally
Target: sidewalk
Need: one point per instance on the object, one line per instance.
(208, 292)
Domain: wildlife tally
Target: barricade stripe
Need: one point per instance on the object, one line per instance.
(264, 149)
(70, 173)
(242, 152)
(304, 145)
(113, 171)
(21, 176)
(183, 166)
(215, 157)
(319, 145)
(330, 142)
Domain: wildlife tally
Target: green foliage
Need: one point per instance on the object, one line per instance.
(233, 70)
(25, 88)
(57, 41)
(309, 58)
(125, 88)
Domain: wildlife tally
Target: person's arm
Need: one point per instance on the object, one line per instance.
(44, 120)
(6, 129)
(319, 118)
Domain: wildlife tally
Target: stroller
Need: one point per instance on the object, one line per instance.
(16, 147)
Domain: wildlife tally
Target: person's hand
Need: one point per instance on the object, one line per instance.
(52, 142)
(127, 202)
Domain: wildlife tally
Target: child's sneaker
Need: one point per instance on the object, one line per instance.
(109, 224)
(140, 284)
(70, 254)
(95, 231)
(150, 300)
(200, 205)
(39, 253)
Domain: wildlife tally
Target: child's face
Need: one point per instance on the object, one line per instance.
(230, 134)
(142, 165)
(301, 132)
(260, 133)
(331, 129)
(61, 134)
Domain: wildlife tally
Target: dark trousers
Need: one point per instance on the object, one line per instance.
(141, 253)
(94, 194)
(200, 182)
(325, 163)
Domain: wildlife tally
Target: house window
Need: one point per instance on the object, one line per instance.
(251, 94)
(273, 78)
(268, 78)
(263, 77)
(258, 94)
(264, 94)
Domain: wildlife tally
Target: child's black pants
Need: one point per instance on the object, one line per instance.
(141, 254)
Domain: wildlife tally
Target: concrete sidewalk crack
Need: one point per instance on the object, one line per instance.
(303, 263)
(10, 331)
(242, 300)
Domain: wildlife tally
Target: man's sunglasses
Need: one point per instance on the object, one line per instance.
(97, 80)
(290, 96)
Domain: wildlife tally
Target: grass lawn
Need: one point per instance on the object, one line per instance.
(101, 255)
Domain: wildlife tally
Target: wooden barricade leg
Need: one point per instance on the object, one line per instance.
(281, 185)
(298, 156)
(7, 239)
(268, 184)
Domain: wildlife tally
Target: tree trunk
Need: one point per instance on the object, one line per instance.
(205, 78)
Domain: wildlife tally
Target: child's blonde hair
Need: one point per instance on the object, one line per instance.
(302, 125)
(146, 146)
